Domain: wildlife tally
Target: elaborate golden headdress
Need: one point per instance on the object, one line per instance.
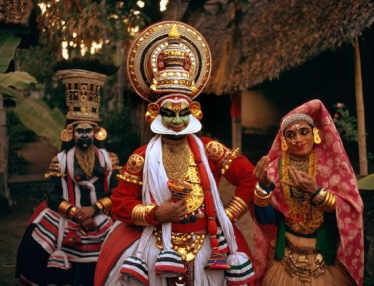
(166, 59)
(82, 94)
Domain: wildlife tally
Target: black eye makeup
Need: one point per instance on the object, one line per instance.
(302, 131)
(167, 112)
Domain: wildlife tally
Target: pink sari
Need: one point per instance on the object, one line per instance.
(335, 173)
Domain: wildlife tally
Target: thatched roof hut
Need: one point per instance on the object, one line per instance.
(255, 40)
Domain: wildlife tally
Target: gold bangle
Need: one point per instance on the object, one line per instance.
(63, 208)
(237, 207)
(72, 211)
(99, 206)
(106, 203)
(139, 214)
(328, 205)
(259, 199)
(229, 215)
(320, 197)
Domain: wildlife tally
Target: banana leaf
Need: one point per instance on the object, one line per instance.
(18, 79)
(37, 116)
(8, 45)
(366, 183)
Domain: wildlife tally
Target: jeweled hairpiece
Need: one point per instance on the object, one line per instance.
(297, 117)
(82, 95)
(168, 57)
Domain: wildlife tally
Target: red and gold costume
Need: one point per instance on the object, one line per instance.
(168, 66)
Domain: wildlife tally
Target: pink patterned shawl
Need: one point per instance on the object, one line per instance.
(335, 173)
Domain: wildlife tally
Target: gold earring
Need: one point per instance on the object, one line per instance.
(100, 133)
(67, 134)
(195, 109)
(152, 112)
(284, 144)
(317, 138)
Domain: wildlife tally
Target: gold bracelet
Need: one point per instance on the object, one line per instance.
(320, 197)
(106, 203)
(229, 215)
(328, 205)
(72, 211)
(237, 208)
(260, 197)
(63, 208)
(139, 214)
(100, 206)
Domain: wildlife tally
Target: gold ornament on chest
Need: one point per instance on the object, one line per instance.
(183, 170)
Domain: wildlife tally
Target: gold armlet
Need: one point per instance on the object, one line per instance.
(236, 208)
(125, 177)
(228, 160)
(64, 208)
(260, 197)
(329, 203)
(139, 214)
(104, 205)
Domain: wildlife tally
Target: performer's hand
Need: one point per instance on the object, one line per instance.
(88, 224)
(83, 213)
(301, 180)
(261, 171)
(170, 211)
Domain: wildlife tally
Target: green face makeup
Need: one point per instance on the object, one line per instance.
(175, 116)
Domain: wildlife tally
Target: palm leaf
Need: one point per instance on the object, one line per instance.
(37, 116)
(11, 92)
(19, 80)
(8, 45)
(366, 183)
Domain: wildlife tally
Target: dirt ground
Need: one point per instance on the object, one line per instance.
(12, 227)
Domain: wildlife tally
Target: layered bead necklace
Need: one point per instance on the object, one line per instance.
(304, 218)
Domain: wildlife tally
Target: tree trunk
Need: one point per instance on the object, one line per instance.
(360, 113)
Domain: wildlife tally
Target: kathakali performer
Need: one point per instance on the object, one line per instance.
(307, 189)
(63, 239)
(171, 225)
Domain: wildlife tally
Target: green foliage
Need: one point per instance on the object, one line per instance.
(345, 123)
(8, 45)
(12, 80)
(18, 135)
(366, 183)
(37, 116)
(39, 63)
(17, 79)
(121, 139)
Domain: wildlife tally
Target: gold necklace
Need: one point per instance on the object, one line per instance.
(175, 158)
(304, 218)
(86, 160)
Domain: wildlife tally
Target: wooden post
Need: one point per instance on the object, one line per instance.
(360, 113)
(4, 143)
(236, 120)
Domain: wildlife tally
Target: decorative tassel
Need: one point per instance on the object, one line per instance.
(241, 270)
(169, 264)
(59, 259)
(134, 267)
(217, 262)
